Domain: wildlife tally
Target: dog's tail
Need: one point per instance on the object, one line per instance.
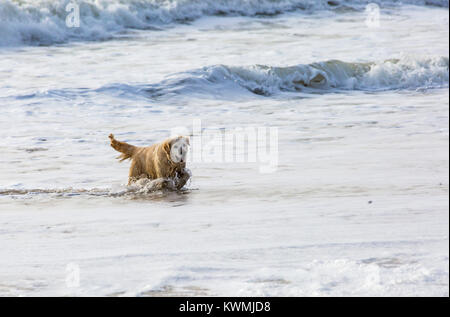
(126, 149)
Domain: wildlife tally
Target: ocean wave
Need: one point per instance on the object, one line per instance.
(221, 81)
(43, 22)
(328, 76)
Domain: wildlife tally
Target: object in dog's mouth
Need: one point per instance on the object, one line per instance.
(162, 160)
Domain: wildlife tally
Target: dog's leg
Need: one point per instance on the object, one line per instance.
(136, 172)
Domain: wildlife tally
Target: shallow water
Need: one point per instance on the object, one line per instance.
(358, 204)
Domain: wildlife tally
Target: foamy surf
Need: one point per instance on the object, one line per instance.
(141, 189)
(393, 74)
(334, 76)
(43, 22)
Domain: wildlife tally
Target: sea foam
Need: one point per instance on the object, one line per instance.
(333, 76)
(43, 22)
(404, 73)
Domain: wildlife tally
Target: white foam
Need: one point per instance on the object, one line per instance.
(404, 73)
(42, 22)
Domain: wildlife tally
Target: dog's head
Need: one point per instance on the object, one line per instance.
(177, 148)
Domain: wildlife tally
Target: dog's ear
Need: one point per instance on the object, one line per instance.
(167, 144)
(187, 140)
(174, 139)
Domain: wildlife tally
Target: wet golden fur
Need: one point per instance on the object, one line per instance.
(151, 162)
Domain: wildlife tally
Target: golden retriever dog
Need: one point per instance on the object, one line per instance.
(165, 160)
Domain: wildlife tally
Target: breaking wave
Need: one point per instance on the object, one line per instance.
(406, 73)
(43, 22)
(331, 76)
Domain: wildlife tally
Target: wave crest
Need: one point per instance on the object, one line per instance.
(328, 76)
(221, 81)
(42, 22)
(406, 73)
